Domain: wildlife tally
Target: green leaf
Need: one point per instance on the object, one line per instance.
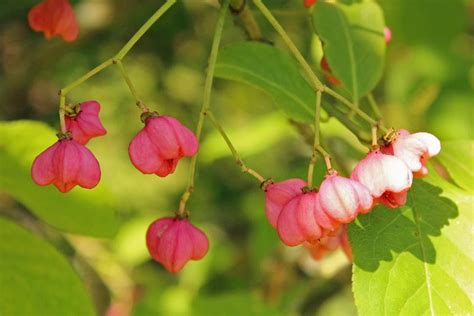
(416, 260)
(81, 211)
(36, 279)
(353, 43)
(458, 158)
(277, 73)
(271, 70)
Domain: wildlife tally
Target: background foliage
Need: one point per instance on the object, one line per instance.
(89, 244)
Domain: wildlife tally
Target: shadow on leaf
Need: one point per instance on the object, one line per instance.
(377, 235)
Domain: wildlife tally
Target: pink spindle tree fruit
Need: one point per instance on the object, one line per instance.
(278, 194)
(414, 150)
(54, 17)
(159, 146)
(386, 177)
(84, 122)
(342, 198)
(173, 241)
(66, 164)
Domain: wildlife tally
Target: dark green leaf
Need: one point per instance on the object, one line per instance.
(416, 260)
(353, 43)
(271, 70)
(36, 279)
(88, 212)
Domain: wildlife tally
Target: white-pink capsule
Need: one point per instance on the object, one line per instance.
(342, 198)
(414, 150)
(387, 178)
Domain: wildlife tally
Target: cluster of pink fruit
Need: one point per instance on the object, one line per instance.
(317, 218)
(301, 215)
(156, 149)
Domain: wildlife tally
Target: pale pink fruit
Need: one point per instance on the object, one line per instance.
(414, 150)
(297, 221)
(54, 17)
(173, 241)
(386, 177)
(278, 194)
(342, 198)
(159, 146)
(66, 164)
(387, 34)
(86, 123)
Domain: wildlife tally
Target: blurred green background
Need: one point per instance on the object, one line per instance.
(428, 85)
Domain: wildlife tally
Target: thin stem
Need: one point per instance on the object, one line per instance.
(241, 9)
(205, 101)
(236, 155)
(118, 57)
(64, 91)
(62, 113)
(304, 64)
(143, 29)
(375, 144)
(131, 87)
(327, 158)
(350, 105)
(316, 139)
(374, 106)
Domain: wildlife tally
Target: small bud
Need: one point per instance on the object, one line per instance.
(66, 164)
(309, 3)
(387, 34)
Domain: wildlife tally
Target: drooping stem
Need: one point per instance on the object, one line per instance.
(317, 84)
(236, 155)
(205, 101)
(350, 105)
(118, 57)
(130, 85)
(375, 144)
(143, 29)
(241, 9)
(374, 106)
(316, 139)
(299, 57)
(62, 112)
(64, 91)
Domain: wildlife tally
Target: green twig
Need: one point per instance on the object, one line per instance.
(118, 57)
(205, 102)
(234, 152)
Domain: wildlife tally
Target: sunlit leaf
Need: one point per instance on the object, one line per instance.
(88, 212)
(36, 279)
(416, 260)
(458, 158)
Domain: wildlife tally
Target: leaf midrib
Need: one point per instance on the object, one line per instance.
(350, 50)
